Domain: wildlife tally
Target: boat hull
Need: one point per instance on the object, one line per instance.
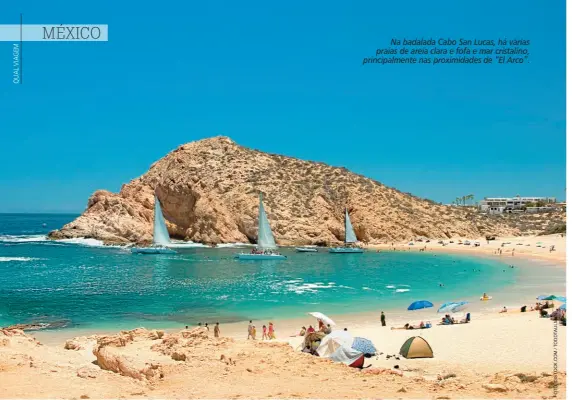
(306, 250)
(260, 256)
(345, 250)
(152, 250)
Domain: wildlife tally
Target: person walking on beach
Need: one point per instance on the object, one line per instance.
(264, 335)
(253, 332)
(207, 326)
(250, 326)
(271, 334)
(216, 330)
(382, 319)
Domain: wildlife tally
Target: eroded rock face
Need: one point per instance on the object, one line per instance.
(136, 362)
(209, 193)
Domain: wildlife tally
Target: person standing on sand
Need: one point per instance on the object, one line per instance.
(271, 334)
(382, 319)
(264, 335)
(207, 326)
(253, 332)
(216, 330)
(250, 326)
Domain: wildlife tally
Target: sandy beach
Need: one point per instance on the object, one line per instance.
(511, 355)
(536, 247)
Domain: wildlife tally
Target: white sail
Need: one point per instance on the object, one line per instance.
(350, 234)
(265, 237)
(160, 233)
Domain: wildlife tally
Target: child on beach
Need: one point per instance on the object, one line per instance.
(250, 326)
(253, 332)
(264, 335)
(216, 330)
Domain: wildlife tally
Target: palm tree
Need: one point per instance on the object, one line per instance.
(469, 197)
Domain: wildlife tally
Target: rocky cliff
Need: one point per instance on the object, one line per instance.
(209, 193)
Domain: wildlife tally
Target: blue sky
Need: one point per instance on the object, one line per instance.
(282, 77)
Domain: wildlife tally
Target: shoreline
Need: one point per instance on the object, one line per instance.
(495, 350)
(527, 249)
(396, 314)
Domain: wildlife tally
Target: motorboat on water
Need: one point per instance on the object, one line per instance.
(346, 250)
(266, 245)
(160, 235)
(350, 239)
(260, 256)
(152, 250)
(306, 249)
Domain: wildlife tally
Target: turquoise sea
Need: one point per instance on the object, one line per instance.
(82, 284)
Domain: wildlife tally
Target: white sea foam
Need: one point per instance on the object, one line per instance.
(181, 244)
(43, 239)
(7, 259)
(23, 238)
(390, 286)
(307, 287)
(223, 245)
(401, 290)
(366, 288)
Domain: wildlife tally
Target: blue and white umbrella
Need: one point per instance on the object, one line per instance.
(562, 307)
(364, 345)
(454, 306)
(419, 304)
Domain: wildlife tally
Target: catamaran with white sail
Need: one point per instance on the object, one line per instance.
(350, 239)
(266, 246)
(160, 235)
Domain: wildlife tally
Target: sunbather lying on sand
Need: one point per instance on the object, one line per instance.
(408, 326)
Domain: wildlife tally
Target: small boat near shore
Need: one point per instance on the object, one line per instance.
(350, 239)
(152, 250)
(306, 249)
(160, 235)
(266, 245)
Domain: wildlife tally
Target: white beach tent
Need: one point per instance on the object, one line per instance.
(330, 343)
(337, 346)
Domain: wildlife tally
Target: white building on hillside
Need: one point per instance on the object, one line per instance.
(498, 205)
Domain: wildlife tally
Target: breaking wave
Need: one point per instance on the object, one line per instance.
(7, 259)
(43, 239)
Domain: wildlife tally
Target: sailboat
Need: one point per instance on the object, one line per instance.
(160, 235)
(349, 239)
(266, 244)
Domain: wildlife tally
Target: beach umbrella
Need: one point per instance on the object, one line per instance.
(454, 306)
(551, 297)
(364, 345)
(322, 317)
(562, 307)
(461, 305)
(420, 304)
(560, 298)
(447, 307)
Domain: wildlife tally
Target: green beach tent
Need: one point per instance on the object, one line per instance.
(416, 347)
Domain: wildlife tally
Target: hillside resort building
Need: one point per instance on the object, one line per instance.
(498, 205)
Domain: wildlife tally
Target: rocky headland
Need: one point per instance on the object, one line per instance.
(209, 189)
